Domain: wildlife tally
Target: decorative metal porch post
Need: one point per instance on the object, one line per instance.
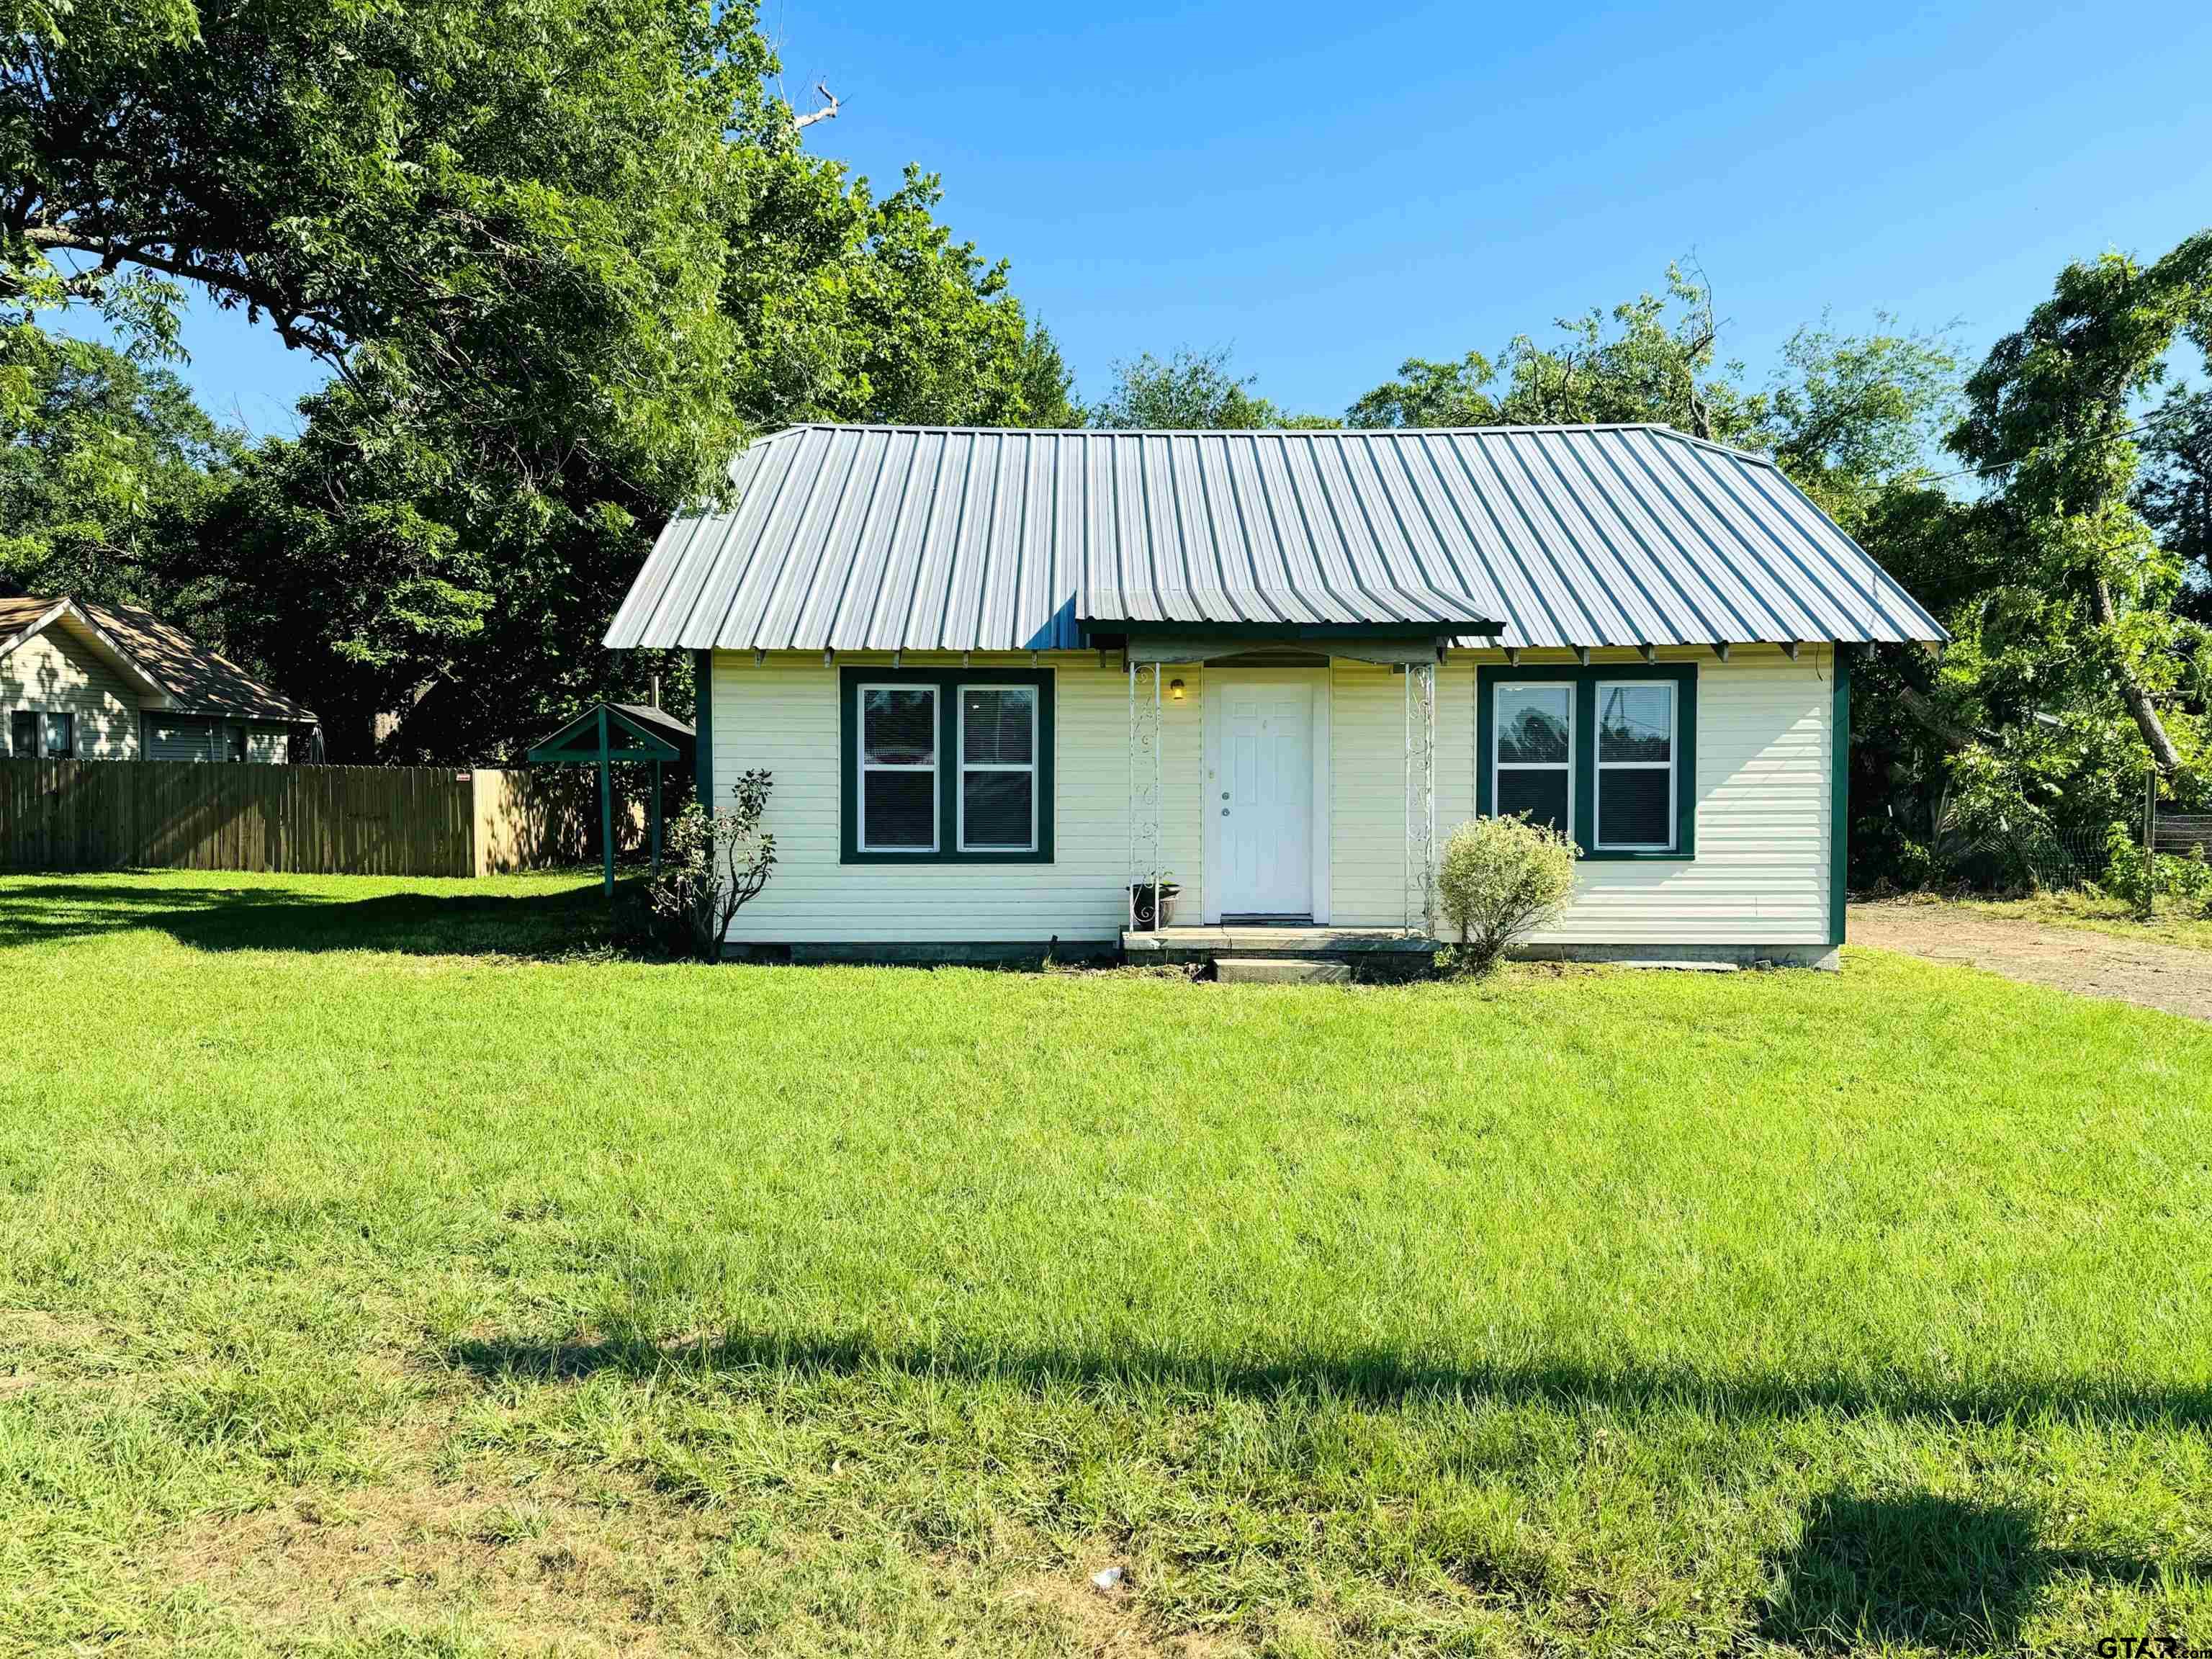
(1420, 871)
(1143, 794)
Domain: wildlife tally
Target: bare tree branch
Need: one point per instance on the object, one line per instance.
(827, 113)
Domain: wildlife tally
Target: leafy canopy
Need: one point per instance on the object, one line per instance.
(102, 458)
(561, 255)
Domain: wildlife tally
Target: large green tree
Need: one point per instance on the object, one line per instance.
(2051, 423)
(561, 255)
(496, 220)
(104, 460)
(2175, 495)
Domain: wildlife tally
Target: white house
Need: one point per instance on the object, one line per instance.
(1002, 676)
(80, 681)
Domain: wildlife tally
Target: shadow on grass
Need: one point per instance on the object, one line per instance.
(1376, 1377)
(532, 923)
(1918, 1570)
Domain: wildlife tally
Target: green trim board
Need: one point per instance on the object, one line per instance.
(1682, 675)
(569, 747)
(1096, 629)
(702, 722)
(1839, 796)
(947, 682)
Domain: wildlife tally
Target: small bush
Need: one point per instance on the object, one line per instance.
(2143, 878)
(712, 865)
(1502, 880)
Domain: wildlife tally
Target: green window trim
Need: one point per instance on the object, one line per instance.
(947, 684)
(1583, 771)
(1839, 795)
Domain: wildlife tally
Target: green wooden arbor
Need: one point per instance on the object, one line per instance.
(620, 732)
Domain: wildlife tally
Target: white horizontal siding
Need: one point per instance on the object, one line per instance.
(1367, 783)
(54, 671)
(1760, 875)
(783, 714)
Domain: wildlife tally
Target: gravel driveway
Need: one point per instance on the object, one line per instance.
(2170, 976)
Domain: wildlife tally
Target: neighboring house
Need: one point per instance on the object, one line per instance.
(1000, 675)
(91, 682)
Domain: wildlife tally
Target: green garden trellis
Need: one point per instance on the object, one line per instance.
(611, 731)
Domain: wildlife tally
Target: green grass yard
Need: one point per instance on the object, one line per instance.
(386, 1270)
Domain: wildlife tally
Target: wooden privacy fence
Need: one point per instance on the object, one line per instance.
(309, 820)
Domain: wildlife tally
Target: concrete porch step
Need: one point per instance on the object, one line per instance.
(1210, 943)
(1279, 971)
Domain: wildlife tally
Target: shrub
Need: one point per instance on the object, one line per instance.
(712, 865)
(1502, 879)
(2143, 878)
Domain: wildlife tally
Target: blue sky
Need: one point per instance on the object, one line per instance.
(1331, 189)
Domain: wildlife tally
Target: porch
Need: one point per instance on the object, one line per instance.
(1298, 787)
(1385, 952)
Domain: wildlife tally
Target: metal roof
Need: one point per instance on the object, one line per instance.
(925, 538)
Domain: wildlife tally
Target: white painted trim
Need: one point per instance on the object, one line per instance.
(1671, 766)
(861, 766)
(1574, 719)
(960, 767)
(1322, 682)
(37, 626)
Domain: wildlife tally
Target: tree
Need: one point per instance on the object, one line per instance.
(2175, 495)
(1847, 416)
(1850, 417)
(848, 307)
(560, 256)
(1431, 394)
(497, 221)
(104, 460)
(1190, 391)
(2049, 423)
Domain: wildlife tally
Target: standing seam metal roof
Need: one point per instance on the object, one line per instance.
(922, 538)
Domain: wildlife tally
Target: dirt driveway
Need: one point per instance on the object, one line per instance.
(2170, 976)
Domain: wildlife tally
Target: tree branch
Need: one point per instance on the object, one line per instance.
(827, 113)
(2138, 700)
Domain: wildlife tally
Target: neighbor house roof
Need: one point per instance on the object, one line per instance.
(852, 537)
(178, 672)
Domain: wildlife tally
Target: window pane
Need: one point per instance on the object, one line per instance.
(1635, 722)
(994, 725)
(1632, 808)
(1541, 795)
(61, 736)
(998, 808)
(899, 809)
(1533, 721)
(899, 725)
(23, 735)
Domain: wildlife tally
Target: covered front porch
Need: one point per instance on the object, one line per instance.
(1313, 804)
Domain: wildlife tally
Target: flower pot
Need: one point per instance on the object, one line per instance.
(1140, 894)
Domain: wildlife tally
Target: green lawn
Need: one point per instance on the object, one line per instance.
(385, 1269)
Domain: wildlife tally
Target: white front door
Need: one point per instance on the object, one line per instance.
(1261, 797)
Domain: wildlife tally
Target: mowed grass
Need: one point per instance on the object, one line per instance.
(386, 1269)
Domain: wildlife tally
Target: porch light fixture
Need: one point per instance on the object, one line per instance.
(1175, 689)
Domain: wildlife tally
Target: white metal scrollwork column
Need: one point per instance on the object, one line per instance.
(1143, 794)
(1420, 874)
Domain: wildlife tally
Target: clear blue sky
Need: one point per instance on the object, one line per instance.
(1331, 189)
